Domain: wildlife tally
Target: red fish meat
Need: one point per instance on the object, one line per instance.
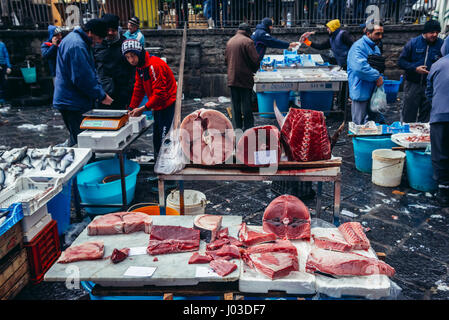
(354, 235)
(91, 250)
(222, 267)
(250, 237)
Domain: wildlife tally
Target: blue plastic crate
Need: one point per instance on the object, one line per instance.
(15, 214)
(395, 127)
(317, 100)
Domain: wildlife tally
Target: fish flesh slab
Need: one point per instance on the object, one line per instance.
(91, 250)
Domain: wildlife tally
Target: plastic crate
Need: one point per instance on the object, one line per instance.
(43, 251)
(317, 100)
(32, 193)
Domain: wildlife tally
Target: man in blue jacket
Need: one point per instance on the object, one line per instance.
(416, 59)
(76, 83)
(362, 77)
(437, 92)
(262, 38)
(134, 31)
(49, 48)
(5, 68)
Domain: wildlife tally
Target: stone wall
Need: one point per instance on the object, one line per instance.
(205, 71)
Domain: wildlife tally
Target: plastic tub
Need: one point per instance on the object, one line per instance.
(420, 171)
(59, 207)
(153, 210)
(265, 101)
(317, 100)
(29, 74)
(391, 88)
(387, 167)
(92, 190)
(364, 147)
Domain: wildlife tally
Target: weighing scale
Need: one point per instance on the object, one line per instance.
(99, 119)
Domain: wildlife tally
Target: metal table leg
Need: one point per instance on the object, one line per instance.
(318, 198)
(161, 188)
(181, 197)
(122, 178)
(337, 198)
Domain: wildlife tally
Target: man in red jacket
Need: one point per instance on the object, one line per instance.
(154, 79)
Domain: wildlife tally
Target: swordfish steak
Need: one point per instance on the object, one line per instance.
(288, 218)
(346, 264)
(275, 265)
(331, 239)
(250, 237)
(209, 226)
(354, 235)
(120, 222)
(173, 239)
(91, 250)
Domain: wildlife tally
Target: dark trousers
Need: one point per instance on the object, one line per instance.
(439, 140)
(162, 123)
(3, 68)
(242, 107)
(416, 105)
(72, 120)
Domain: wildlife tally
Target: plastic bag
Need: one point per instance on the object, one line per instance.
(378, 99)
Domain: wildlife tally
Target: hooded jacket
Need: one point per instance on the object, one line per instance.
(361, 76)
(242, 60)
(263, 39)
(417, 52)
(49, 50)
(155, 80)
(116, 75)
(76, 83)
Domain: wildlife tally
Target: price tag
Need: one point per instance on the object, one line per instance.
(139, 271)
(137, 251)
(265, 157)
(205, 272)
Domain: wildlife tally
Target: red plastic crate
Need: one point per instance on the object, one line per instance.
(43, 251)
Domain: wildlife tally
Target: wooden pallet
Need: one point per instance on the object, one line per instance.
(10, 239)
(14, 273)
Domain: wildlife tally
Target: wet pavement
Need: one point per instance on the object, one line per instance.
(411, 229)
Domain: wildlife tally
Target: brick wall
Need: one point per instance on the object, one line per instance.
(205, 72)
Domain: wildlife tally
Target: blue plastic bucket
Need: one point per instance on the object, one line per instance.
(88, 285)
(317, 100)
(59, 207)
(391, 88)
(29, 74)
(364, 147)
(265, 101)
(92, 190)
(420, 171)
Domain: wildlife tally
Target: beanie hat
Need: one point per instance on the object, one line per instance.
(111, 20)
(333, 25)
(134, 21)
(97, 27)
(267, 22)
(132, 45)
(245, 27)
(431, 26)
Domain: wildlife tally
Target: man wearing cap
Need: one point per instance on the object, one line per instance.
(242, 61)
(262, 38)
(76, 83)
(49, 48)
(155, 79)
(416, 59)
(438, 94)
(116, 75)
(134, 32)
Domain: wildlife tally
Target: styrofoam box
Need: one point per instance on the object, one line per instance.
(38, 227)
(29, 221)
(105, 140)
(138, 123)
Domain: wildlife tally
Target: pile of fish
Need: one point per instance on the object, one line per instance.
(17, 161)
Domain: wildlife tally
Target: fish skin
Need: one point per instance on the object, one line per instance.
(36, 154)
(66, 161)
(2, 179)
(19, 155)
(27, 161)
(58, 153)
(44, 163)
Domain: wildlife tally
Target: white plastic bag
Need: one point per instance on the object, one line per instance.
(378, 99)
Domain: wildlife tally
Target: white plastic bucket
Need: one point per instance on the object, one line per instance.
(387, 167)
(194, 202)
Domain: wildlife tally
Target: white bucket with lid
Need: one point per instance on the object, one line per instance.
(387, 167)
(194, 202)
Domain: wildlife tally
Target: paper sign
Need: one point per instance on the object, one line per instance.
(205, 272)
(265, 157)
(139, 271)
(137, 251)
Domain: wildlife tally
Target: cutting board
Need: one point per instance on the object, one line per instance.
(171, 269)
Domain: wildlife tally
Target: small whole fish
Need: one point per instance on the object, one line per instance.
(2, 179)
(58, 153)
(66, 161)
(36, 154)
(27, 161)
(19, 155)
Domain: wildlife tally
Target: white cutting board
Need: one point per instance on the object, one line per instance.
(171, 269)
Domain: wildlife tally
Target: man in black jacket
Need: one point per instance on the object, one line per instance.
(116, 75)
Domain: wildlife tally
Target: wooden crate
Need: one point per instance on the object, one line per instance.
(14, 274)
(10, 239)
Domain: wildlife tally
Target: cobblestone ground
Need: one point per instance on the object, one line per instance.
(411, 229)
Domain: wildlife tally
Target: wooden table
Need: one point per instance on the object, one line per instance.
(320, 171)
